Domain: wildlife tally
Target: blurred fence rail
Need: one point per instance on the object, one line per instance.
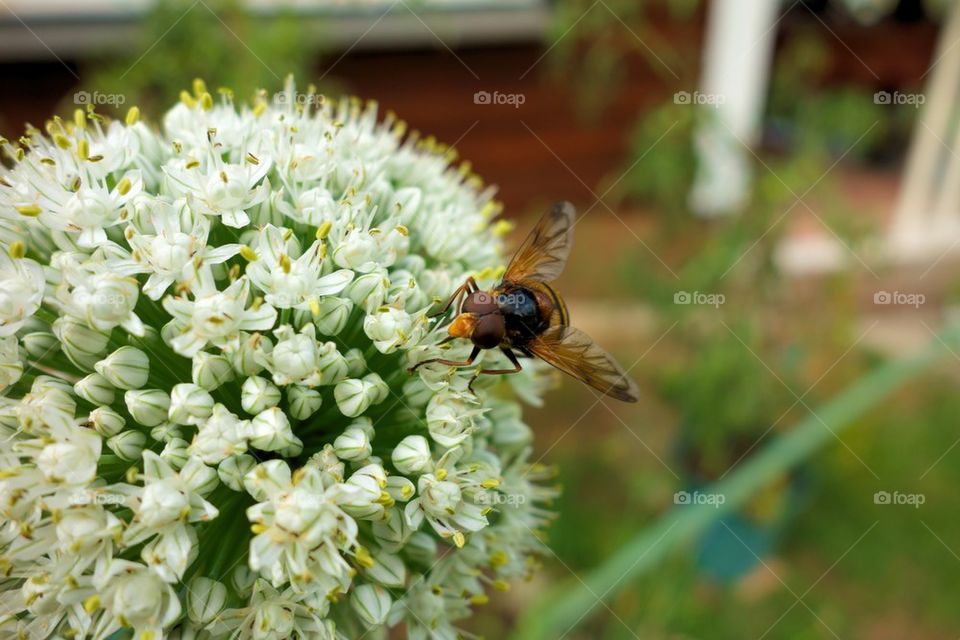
(44, 29)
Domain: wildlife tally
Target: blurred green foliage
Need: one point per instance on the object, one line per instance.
(221, 41)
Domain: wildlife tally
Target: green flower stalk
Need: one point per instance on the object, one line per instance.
(208, 425)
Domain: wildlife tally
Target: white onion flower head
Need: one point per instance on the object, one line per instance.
(208, 426)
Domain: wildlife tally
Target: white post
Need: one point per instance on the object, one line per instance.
(736, 64)
(927, 217)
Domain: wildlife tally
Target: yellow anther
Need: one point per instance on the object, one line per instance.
(187, 99)
(298, 476)
(459, 539)
(285, 263)
(80, 118)
(501, 585)
(17, 249)
(133, 115)
(248, 254)
(324, 230)
(364, 558)
(490, 483)
(29, 210)
(123, 187)
(83, 149)
(91, 604)
(206, 101)
(441, 474)
(502, 228)
(258, 528)
(199, 87)
(480, 599)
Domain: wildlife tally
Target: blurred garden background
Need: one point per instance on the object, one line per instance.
(770, 210)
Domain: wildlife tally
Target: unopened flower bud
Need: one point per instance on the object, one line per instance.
(205, 599)
(248, 359)
(303, 401)
(189, 404)
(211, 371)
(354, 396)
(106, 421)
(149, 407)
(270, 431)
(332, 315)
(356, 363)
(369, 290)
(331, 364)
(412, 456)
(233, 469)
(83, 345)
(175, 452)
(353, 445)
(128, 445)
(372, 603)
(40, 344)
(125, 368)
(95, 389)
(258, 394)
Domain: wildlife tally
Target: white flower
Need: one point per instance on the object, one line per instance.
(217, 317)
(220, 189)
(171, 243)
(289, 279)
(138, 596)
(302, 529)
(450, 418)
(21, 291)
(254, 280)
(220, 436)
(390, 328)
(93, 208)
(11, 368)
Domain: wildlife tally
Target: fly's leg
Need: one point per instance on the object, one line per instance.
(449, 363)
(510, 356)
(467, 287)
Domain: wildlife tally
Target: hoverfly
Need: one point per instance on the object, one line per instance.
(523, 313)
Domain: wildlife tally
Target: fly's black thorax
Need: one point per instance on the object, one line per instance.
(524, 313)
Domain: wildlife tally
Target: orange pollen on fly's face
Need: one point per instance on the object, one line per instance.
(463, 325)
